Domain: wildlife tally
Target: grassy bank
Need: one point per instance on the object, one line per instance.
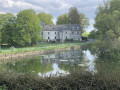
(45, 46)
(74, 81)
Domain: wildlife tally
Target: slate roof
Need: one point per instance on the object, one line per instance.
(62, 27)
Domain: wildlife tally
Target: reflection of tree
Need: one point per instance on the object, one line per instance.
(108, 63)
(65, 67)
(108, 68)
(29, 65)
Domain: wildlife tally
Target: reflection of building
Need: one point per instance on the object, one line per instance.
(66, 57)
(61, 32)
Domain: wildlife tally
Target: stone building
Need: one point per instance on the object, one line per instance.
(61, 32)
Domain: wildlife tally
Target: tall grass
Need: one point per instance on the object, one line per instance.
(45, 46)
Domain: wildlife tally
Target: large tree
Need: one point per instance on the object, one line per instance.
(6, 27)
(28, 30)
(84, 21)
(73, 16)
(46, 18)
(62, 19)
(107, 21)
(67, 19)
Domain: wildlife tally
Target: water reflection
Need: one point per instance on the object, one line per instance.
(54, 64)
(89, 60)
(56, 72)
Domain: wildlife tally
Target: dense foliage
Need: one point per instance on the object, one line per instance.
(6, 25)
(62, 19)
(28, 25)
(74, 17)
(92, 34)
(107, 21)
(46, 18)
(23, 30)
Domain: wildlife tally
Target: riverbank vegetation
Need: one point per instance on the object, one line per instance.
(37, 47)
(107, 24)
(76, 80)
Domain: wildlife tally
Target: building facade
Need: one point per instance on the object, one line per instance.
(61, 32)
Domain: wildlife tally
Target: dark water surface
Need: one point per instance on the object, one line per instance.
(63, 63)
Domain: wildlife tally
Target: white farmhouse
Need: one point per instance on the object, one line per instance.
(61, 32)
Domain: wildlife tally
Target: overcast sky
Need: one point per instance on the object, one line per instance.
(54, 7)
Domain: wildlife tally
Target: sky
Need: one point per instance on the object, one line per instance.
(54, 7)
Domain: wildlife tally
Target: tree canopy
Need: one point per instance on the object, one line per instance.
(46, 18)
(23, 30)
(74, 17)
(6, 23)
(62, 19)
(28, 27)
(107, 22)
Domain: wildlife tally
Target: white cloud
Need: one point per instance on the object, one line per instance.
(2, 12)
(54, 7)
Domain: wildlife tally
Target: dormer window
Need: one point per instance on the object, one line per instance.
(65, 27)
(73, 28)
(55, 32)
(48, 28)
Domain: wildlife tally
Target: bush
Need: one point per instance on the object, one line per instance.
(68, 40)
(74, 81)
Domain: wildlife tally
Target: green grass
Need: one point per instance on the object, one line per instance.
(85, 34)
(38, 47)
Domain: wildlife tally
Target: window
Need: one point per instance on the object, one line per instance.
(66, 32)
(55, 28)
(72, 32)
(77, 28)
(66, 37)
(55, 32)
(73, 28)
(48, 37)
(48, 33)
(55, 37)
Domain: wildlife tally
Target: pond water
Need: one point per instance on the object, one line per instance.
(63, 63)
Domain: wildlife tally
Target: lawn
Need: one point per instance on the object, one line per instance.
(43, 46)
(85, 34)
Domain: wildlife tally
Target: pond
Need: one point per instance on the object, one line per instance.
(63, 63)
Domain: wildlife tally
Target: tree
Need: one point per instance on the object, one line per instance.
(8, 31)
(73, 16)
(28, 30)
(93, 34)
(114, 5)
(5, 30)
(84, 21)
(107, 21)
(62, 19)
(0, 37)
(46, 18)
